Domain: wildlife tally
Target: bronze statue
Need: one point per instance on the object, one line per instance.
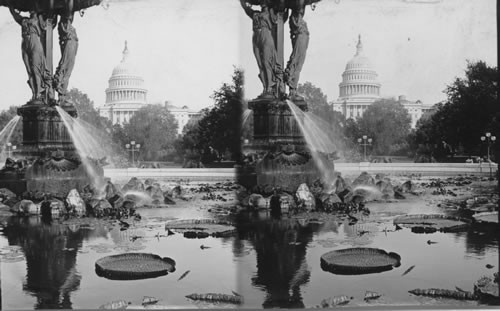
(264, 47)
(299, 34)
(33, 53)
(68, 42)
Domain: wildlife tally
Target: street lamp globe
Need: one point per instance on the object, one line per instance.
(359, 140)
(488, 134)
(127, 146)
(493, 138)
(483, 138)
(370, 140)
(132, 142)
(138, 146)
(9, 144)
(365, 137)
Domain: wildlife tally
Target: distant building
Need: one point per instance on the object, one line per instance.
(125, 94)
(360, 88)
(182, 115)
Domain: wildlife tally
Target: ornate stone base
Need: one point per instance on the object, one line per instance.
(281, 156)
(47, 161)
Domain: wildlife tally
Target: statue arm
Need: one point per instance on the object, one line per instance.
(285, 16)
(17, 16)
(246, 7)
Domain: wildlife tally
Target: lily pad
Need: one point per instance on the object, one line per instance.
(134, 266)
(359, 260)
(435, 221)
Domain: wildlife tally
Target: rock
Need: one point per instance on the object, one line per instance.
(167, 199)
(110, 191)
(75, 203)
(134, 184)
(364, 179)
(385, 187)
(341, 184)
(149, 182)
(329, 199)
(257, 201)
(155, 193)
(287, 202)
(380, 176)
(56, 207)
(101, 207)
(6, 194)
(305, 198)
(398, 195)
(407, 186)
(11, 201)
(344, 194)
(26, 207)
(177, 191)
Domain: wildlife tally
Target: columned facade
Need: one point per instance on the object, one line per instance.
(125, 93)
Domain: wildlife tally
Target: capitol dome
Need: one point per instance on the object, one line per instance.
(126, 93)
(126, 85)
(359, 78)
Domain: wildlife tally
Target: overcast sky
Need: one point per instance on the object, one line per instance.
(186, 49)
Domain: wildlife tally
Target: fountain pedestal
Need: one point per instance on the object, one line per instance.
(283, 158)
(47, 160)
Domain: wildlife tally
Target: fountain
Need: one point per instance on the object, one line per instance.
(282, 156)
(48, 161)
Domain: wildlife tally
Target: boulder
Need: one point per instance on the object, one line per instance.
(110, 190)
(26, 207)
(407, 186)
(56, 207)
(6, 194)
(364, 179)
(257, 201)
(100, 207)
(167, 199)
(305, 198)
(134, 184)
(75, 203)
(341, 184)
(287, 202)
(385, 187)
(155, 193)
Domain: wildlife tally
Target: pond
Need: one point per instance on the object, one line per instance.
(272, 263)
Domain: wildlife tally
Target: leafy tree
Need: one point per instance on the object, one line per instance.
(388, 123)
(466, 115)
(155, 128)
(218, 132)
(87, 111)
(318, 105)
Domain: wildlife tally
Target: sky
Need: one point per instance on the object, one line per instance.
(187, 49)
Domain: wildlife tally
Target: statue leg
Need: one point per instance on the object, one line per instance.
(297, 58)
(258, 57)
(31, 81)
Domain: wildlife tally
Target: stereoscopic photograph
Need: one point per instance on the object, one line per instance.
(249, 154)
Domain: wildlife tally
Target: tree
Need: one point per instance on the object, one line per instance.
(466, 115)
(388, 123)
(218, 132)
(155, 129)
(318, 105)
(86, 110)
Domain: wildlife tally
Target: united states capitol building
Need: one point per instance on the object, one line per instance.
(360, 88)
(126, 94)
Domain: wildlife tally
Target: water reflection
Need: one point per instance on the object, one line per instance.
(282, 269)
(51, 250)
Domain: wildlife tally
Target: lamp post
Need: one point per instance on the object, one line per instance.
(365, 141)
(490, 140)
(133, 148)
(10, 148)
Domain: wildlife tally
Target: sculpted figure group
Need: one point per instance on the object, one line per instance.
(271, 73)
(34, 29)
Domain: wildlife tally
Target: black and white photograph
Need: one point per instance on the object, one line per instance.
(249, 154)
